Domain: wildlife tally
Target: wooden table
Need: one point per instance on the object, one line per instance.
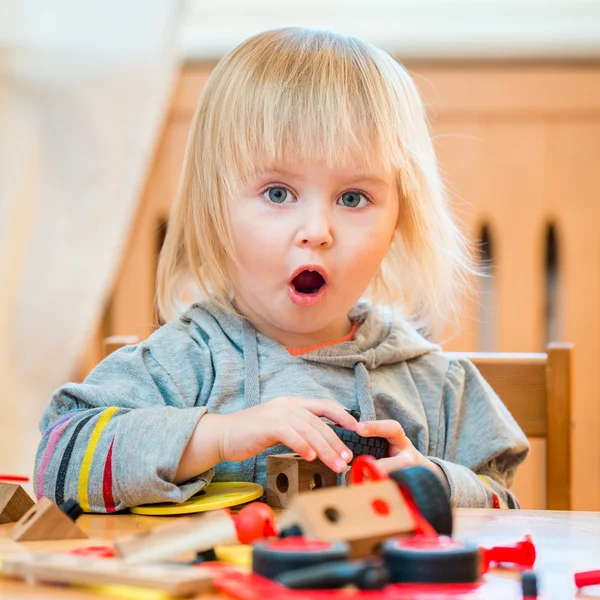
(566, 542)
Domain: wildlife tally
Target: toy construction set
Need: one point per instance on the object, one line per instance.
(383, 535)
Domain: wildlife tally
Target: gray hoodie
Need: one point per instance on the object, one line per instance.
(116, 439)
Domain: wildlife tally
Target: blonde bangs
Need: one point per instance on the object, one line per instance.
(299, 94)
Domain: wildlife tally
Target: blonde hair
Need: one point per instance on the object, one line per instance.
(304, 93)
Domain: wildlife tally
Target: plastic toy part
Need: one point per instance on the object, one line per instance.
(367, 574)
(216, 495)
(585, 578)
(255, 522)
(428, 494)
(521, 555)
(95, 551)
(72, 509)
(372, 446)
(272, 558)
(529, 585)
(427, 559)
(366, 468)
(14, 478)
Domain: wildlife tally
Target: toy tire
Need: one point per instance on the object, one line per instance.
(441, 560)
(272, 557)
(373, 446)
(429, 495)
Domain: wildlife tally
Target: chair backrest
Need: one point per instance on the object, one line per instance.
(114, 342)
(536, 389)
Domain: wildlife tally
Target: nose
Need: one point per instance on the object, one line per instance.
(315, 229)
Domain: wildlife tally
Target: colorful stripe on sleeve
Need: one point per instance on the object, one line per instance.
(496, 500)
(55, 435)
(88, 457)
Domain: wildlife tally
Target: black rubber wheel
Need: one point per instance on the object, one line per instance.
(273, 557)
(373, 446)
(431, 560)
(429, 495)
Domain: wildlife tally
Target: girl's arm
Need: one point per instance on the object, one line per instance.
(480, 445)
(116, 439)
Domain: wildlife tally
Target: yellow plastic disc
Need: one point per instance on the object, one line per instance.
(217, 495)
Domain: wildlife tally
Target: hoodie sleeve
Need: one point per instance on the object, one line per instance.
(115, 440)
(480, 444)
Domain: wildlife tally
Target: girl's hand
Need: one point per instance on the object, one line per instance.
(294, 422)
(401, 452)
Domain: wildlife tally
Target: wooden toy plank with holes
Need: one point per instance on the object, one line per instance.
(45, 521)
(79, 570)
(362, 515)
(193, 533)
(289, 474)
(14, 502)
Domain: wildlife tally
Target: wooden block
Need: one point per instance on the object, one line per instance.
(14, 502)
(81, 570)
(362, 515)
(45, 521)
(289, 474)
(189, 534)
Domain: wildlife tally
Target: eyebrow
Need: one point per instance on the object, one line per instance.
(353, 180)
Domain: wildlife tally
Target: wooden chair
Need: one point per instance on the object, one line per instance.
(114, 342)
(536, 388)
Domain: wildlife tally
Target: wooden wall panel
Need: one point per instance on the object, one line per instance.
(574, 188)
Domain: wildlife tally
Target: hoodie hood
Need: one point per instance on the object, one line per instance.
(382, 339)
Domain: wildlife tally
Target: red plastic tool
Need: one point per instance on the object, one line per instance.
(585, 578)
(15, 478)
(521, 555)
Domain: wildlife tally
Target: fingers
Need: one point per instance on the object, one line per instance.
(389, 429)
(400, 461)
(315, 436)
(330, 410)
(293, 440)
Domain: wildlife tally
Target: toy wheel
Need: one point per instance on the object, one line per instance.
(428, 494)
(427, 559)
(270, 558)
(373, 446)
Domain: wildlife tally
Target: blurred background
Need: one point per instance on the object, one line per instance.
(96, 101)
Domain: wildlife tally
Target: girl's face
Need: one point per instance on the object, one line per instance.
(309, 239)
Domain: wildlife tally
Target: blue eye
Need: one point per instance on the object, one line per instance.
(276, 194)
(353, 199)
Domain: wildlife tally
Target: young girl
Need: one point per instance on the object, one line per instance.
(310, 184)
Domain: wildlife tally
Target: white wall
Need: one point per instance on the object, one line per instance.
(413, 29)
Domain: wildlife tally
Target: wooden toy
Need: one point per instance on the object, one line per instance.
(82, 570)
(366, 514)
(185, 535)
(212, 497)
(290, 474)
(362, 515)
(14, 502)
(198, 534)
(46, 521)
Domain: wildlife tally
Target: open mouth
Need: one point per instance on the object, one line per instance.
(308, 282)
